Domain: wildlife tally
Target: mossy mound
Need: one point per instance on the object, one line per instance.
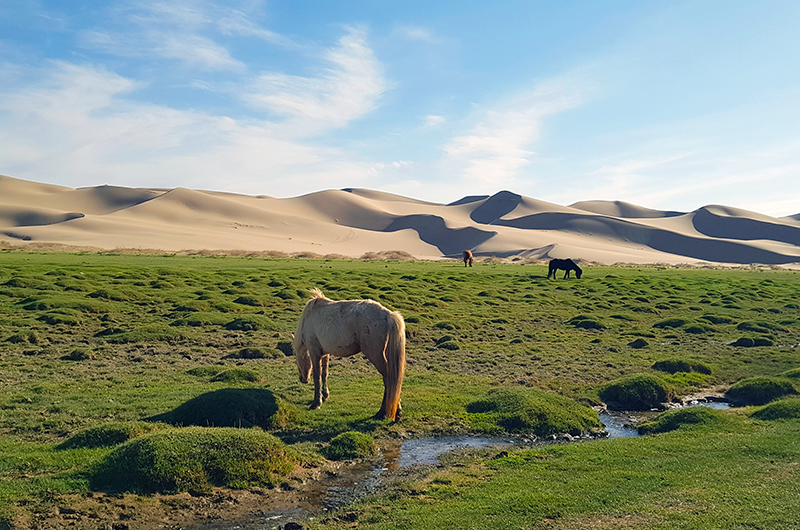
(759, 390)
(110, 434)
(530, 411)
(233, 407)
(782, 409)
(194, 459)
(350, 445)
(672, 366)
(636, 392)
(586, 322)
(747, 342)
(675, 419)
(670, 323)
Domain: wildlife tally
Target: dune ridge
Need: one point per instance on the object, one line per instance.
(354, 222)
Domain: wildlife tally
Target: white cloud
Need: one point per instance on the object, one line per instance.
(78, 127)
(196, 51)
(433, 120)
(417, 33)
(499, 145)
(345, 92)
(177, 31)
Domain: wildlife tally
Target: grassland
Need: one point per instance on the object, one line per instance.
(88, 340)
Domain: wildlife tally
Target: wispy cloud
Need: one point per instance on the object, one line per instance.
(180, 30)
(417, 33)
(347, 90)
(495, 149)
(433, 120)
(79, 124)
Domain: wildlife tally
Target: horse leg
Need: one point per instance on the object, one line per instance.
(316, 365)
(325, 360)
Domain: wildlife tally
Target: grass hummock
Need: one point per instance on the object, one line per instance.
(759, 390)
(194, 459)
(350, 445)
(233, 407)
(110, 434)
(675, 419)
(530, 411)
(636, 392)
(787, 408)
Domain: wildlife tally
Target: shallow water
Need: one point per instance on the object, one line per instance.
(623, 424)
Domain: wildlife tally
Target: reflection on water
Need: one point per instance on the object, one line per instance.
(428, 450)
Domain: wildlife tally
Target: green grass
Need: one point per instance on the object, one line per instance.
(636, 392)
(731, 475)
(90, 341)
(350, 445)
(530, 411)
(195, 460)
(760, 390)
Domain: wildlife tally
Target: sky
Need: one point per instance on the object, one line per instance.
(665, 104)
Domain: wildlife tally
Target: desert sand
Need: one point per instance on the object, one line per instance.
(356, 222)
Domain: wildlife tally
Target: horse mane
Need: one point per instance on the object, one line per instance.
(297, 341)
(316, 294)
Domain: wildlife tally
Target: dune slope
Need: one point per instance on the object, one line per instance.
(352, 222)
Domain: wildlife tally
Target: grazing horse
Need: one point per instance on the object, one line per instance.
(344, 328)
(467, 257)
(564, 265)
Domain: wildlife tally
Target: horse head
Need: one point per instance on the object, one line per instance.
(303, 359)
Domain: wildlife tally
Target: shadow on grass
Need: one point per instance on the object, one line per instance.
(233, 407)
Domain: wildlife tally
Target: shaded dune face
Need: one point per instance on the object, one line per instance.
(355, 222)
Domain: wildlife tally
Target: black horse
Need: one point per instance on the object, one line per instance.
(564, 265)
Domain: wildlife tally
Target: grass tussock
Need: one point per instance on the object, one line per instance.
(350, 445)
(636, 392)
(233, 407)
(110, 434)
(672, 366)
(675, 419)
(194, 459)
(530, 411)
(781, 409)
(759, 390)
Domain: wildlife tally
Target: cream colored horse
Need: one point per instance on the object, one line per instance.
(344, 328)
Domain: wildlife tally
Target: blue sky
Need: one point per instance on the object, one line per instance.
(666, 104)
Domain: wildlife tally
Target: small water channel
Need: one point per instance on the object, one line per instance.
(353, 482)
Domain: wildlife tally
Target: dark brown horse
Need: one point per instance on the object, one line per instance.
(467, 257)
(564, 265)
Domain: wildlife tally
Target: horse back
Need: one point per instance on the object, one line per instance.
(344, 328)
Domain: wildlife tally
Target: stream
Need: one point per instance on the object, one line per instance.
(353, 482)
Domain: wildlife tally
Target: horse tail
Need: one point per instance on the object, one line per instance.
(395, 354)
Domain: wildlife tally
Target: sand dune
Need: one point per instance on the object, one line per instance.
(353, 222)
